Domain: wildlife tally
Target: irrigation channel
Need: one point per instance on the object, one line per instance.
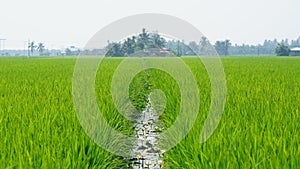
(145, 153)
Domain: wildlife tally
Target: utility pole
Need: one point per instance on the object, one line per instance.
(28, 49)
(178, 49)
(2, 40)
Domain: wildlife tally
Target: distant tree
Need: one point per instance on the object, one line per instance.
(295, 43)
(203, 42)
(282, 50)
(72, 51)
(227, 45)
(128, 46)
(222, 47)
(40, 48)
(194, 47)
(115, 49)
(68, 52)
(142, 40)
(139, 46)
(219, 46)
(150, 42)
(158, 41)
(179, 48)
(205, 47)
(31, 47)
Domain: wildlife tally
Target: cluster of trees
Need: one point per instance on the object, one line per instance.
(204, 47)
(16, 52)
(72, 51)
(282, 50)
(143, 41)
(32, 47)
(267, 48)
(42, 51)
(222, 47)
(146, 41)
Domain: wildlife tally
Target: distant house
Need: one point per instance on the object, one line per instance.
(71, 51)
(295, 51)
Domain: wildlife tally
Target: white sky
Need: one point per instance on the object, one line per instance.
(61, 23)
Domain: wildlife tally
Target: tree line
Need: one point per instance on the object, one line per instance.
(269, 47)
(145, 41)
(156, 45)
(134, 44)
(32, 47)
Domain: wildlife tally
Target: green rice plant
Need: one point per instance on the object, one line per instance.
(260, 122)
(39, 126)
(259, 128)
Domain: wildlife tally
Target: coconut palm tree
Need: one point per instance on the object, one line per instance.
(142, 40)
(41, 48)
(158, 41)
(31, 47)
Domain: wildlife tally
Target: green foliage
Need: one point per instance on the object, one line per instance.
(38, 124)
(222, 47)
(142, 41)
(260, 123)
(282, 50)
(259, 128)
(140, 90)
(72, 51)
(115, 50)
(41, 48)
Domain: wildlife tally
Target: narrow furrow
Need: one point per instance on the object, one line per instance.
(145, 153)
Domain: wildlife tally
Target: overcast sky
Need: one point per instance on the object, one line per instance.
(60, 23)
